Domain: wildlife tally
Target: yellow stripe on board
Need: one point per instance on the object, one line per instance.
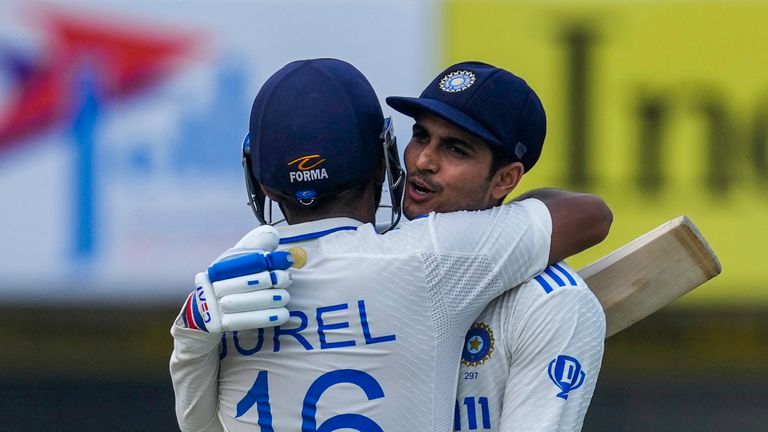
(660, 107)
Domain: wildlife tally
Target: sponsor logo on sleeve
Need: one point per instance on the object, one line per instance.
(565, 371)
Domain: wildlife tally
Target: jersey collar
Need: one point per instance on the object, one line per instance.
(315, 229)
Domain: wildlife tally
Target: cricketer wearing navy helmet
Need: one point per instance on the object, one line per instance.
(373, 337)
(532, 358)
(337, 152)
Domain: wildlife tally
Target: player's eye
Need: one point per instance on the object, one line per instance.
(457, 150)
(419, 135)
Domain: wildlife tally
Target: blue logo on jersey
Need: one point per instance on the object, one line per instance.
(565, 371)
(478, 345)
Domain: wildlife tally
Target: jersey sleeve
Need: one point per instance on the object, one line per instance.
(194, 368)
(491, 250)
(555, 353)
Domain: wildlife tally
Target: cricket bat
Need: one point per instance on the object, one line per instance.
(650, 272)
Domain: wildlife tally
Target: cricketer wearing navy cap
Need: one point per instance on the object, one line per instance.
(376, 321)
(531, 359)
(490, 102)
(492, 110)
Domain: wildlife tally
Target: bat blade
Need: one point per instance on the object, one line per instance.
(650, 272)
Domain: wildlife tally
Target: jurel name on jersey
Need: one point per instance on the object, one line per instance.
(316, 330)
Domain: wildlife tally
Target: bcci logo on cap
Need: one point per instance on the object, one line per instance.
(309, 168)
(457, 81)
(478, 345)
(565, 371)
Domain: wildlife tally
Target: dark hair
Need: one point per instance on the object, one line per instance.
(499, 158)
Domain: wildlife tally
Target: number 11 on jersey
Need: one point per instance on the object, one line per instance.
(471, 405)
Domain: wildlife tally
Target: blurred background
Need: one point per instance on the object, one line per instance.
(120, 131)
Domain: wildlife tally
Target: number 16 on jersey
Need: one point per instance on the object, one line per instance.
(259, 395)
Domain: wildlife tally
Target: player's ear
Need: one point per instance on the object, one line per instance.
(506, 179)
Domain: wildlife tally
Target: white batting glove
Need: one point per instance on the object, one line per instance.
(244, 292)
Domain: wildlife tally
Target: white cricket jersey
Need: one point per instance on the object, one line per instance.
(531, 359)
(377, 327)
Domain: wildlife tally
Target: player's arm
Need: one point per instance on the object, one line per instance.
(579, 221)
(194, 370)
(244, 289)
(554, 353)
(507, 244)
(226, 304)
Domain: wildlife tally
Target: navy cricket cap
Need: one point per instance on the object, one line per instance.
(315, 128)
(489, 102)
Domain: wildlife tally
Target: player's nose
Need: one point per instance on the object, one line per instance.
(427, 160)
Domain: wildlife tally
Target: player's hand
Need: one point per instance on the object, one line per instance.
(245, 292)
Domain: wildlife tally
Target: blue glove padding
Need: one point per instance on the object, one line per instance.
(245, 292)
(238, 304)
(249, 264)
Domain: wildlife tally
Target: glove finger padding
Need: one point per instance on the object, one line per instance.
(255, 300)
(250, 263)
(239, 311)
(255, 319)
(252, 282)
(243, 292)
